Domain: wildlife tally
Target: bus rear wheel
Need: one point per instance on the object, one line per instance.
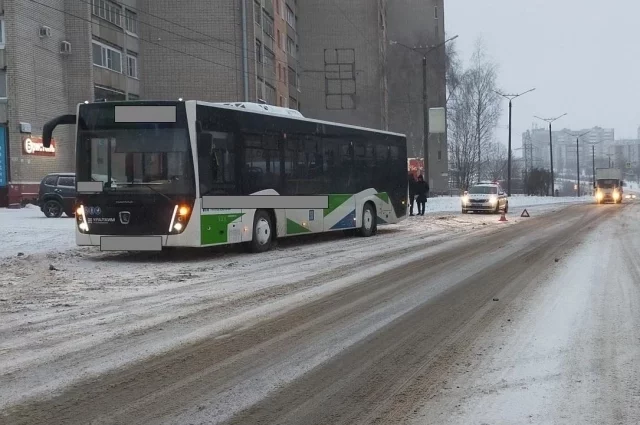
(369, 225)
(262, 239)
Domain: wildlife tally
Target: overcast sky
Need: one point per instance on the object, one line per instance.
(582, 56)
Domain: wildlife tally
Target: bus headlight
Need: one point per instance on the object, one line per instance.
(179, 218)
(81, 219)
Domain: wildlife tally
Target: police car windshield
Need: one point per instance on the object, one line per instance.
(483, 190)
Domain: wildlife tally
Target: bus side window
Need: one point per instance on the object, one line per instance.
(205, 143)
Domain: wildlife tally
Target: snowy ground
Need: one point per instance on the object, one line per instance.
(28, 231)
(69, 313)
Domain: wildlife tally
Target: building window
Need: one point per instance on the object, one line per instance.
(293, 104)
(439, 155)
(108, 11)
(280, 45)
(107, 57)
(292, 77)
(132, 66)
(131, 22)
(2, 34)
(268, 24)
(269, 60)
(257, 13)
(3, 84)
(278, 11)
(435, 12)
(270, 94)
(291, 18)
(258, 51)
(291, 47)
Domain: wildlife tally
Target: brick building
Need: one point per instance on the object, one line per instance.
(58, 53)
(352, 74)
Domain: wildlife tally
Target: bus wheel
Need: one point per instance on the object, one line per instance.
(262, 232)
(369, 225)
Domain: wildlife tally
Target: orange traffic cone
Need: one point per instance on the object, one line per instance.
(503, 216)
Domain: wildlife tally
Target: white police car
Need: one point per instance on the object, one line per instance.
(485, 197)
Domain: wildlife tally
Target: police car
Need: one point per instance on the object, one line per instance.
(485, 197)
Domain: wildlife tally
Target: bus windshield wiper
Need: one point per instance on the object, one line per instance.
(150, 187)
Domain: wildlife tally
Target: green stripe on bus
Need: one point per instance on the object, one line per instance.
(294, 228)
(334, 202)
(213, 227)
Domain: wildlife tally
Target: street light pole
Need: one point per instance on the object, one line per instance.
(425, 98)
(511, 97)
(425, 119)
(551, 120)
(593, 163)
(578, 136)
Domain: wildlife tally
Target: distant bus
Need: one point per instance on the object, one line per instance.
(196, 174)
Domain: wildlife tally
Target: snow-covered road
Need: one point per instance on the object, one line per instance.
(88, 321)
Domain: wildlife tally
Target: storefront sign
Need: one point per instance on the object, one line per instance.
(3, 157)
(32, 145)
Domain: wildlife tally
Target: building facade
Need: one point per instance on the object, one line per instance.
(57, 54)
(592, 146)
(351, 73)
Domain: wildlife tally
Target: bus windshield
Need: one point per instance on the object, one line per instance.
(140, 158)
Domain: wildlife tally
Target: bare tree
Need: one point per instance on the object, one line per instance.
(496, 162)
(473, 113)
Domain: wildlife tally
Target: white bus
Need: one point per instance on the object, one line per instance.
(197, 174)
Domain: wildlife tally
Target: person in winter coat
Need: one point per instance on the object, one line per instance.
(412, 192)
(422, 191)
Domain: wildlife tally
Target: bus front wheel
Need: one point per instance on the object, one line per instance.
(262, 232)
(369, 225)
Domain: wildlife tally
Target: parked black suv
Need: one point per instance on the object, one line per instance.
(58, 194)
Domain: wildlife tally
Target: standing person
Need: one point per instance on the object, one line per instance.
(412, 192)
(422, 190)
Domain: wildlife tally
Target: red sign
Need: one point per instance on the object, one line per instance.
(416, 166)
(32, 145)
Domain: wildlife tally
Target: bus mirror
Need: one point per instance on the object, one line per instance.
(205, 141)
(47, 129)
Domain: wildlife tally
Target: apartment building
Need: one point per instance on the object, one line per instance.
(197, 49)
(56, 54)
(351, 73)
(59, 53)
(595, 143)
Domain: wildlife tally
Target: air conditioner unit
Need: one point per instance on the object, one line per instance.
(45, 32)
(65, 47)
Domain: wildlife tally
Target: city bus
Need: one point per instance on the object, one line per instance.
(160, 174)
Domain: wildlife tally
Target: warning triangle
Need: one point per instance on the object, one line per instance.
(525, 213)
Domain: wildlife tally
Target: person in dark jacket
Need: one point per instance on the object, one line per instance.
(412, 192)
(422, 191)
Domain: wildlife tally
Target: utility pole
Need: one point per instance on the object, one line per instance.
(609, 155)
(578, 136)
(593, 160)
(511, 97)
(551, 120)
(578, 164)
(425, 98)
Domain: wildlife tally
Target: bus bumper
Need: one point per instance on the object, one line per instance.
(131, 243)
